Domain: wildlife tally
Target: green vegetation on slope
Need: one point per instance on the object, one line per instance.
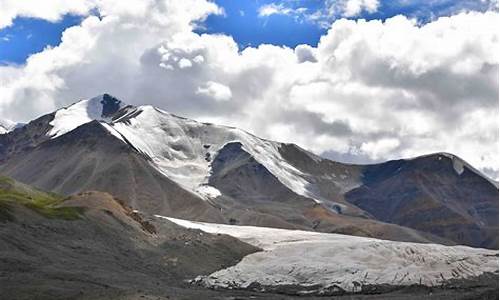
(46, 204)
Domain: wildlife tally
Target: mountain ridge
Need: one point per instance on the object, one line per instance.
(108, 114)
(318, 194)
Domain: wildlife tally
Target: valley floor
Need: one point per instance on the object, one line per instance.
(482, 288)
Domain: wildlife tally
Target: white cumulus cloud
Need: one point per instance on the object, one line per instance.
(49, 10)
(215, 90)
(355, 7)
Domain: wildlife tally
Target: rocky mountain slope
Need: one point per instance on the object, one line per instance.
(161, 163)
(92, 246)
(437, 193)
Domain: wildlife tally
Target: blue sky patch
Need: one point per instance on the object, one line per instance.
(27, 36)
(243, 23)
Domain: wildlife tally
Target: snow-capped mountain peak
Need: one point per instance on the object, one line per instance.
(183, 149)
(101, 107)
(164, 163)
(180, 148)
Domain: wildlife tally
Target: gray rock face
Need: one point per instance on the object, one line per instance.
(110, 105)
(25, 138)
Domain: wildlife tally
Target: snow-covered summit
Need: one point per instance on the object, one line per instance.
(180, 148)
(183, 149)
(101, 107)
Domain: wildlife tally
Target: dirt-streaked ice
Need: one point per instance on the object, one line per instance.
(319, 262)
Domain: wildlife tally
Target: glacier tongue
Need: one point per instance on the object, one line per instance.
(323, 262)
(182, 149)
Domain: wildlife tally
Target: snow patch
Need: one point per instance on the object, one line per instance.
(207, 191)
(319, 262)
(458, 166)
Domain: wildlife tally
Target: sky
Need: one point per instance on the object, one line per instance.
(353, 80)
(28, 35)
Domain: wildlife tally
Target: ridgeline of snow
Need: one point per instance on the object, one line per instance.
(113, 131)
(324, 263)
(79, 113)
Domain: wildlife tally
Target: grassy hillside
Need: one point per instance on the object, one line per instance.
(46, 204)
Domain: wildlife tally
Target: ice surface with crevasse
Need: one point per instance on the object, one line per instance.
(319, 262)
